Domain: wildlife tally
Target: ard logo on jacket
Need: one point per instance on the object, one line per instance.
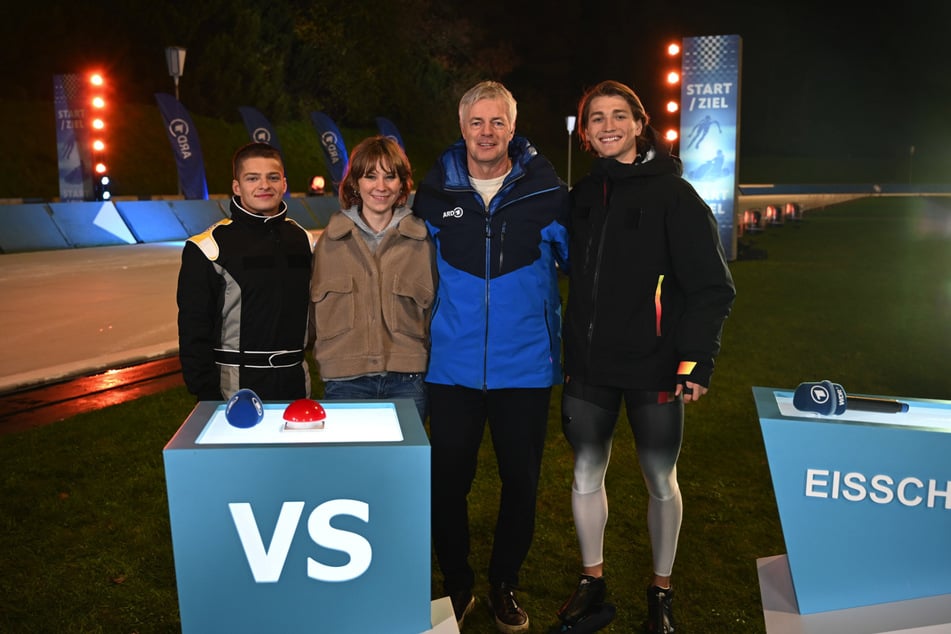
(453, 213)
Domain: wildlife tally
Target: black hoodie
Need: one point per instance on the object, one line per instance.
(649, 283)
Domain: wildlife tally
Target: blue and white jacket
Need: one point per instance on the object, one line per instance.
(497, 318)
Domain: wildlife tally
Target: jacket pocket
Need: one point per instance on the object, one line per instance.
(408, 307)
(334, 307)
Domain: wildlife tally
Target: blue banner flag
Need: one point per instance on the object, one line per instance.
(261, 131)
(388, 128)
(332, 143)
(183, 136)
(259, 128)
(72, 138)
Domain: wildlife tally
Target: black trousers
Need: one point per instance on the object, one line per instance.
(518, 421)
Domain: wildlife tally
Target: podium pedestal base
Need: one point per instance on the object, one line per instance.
(443, 618)
(930, 615)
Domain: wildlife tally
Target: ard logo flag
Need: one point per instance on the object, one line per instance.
(261, 131)
(388, 128)
(183, 136)
(335, 152)
(259, 128)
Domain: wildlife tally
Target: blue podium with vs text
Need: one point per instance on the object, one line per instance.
(864, 500)
(302, 530)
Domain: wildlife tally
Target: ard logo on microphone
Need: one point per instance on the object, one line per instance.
(819, 394)
(827, 398)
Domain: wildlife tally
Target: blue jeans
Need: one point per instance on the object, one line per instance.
(381, 386)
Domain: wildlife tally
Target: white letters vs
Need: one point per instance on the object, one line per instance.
(267, 564)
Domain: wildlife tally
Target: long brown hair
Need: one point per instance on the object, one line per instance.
(610, 88)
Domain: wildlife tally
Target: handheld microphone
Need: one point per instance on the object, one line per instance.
(828, 398)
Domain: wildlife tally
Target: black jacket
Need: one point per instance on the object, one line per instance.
(243, 307)
(649, 284)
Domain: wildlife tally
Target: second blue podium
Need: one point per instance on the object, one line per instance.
(864, 499)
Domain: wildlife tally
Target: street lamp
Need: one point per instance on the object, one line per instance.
(570, 124)
(175, 58)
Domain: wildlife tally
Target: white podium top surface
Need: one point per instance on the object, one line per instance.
(345, 423)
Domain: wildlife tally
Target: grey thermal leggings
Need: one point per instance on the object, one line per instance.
(589, 415)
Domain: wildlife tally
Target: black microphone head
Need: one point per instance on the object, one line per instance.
(823, 397)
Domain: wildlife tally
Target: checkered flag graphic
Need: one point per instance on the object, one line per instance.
(716, 56)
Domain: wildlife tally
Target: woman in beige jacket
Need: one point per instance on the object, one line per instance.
(374, 282)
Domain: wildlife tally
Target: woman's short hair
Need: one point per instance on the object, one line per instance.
(370, 152)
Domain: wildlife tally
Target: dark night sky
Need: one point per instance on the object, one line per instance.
(826, 78)
(819, 78)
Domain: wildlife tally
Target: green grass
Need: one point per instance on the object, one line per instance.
(858, 293)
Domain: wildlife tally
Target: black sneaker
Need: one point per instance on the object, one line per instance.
(660, 617)
(509, 617)
(587, 598)
(462, 604)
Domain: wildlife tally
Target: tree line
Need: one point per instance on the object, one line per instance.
(408, 60)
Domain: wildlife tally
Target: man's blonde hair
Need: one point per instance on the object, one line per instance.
(487, 90)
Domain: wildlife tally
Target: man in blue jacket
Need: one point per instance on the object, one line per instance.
(497, 212)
